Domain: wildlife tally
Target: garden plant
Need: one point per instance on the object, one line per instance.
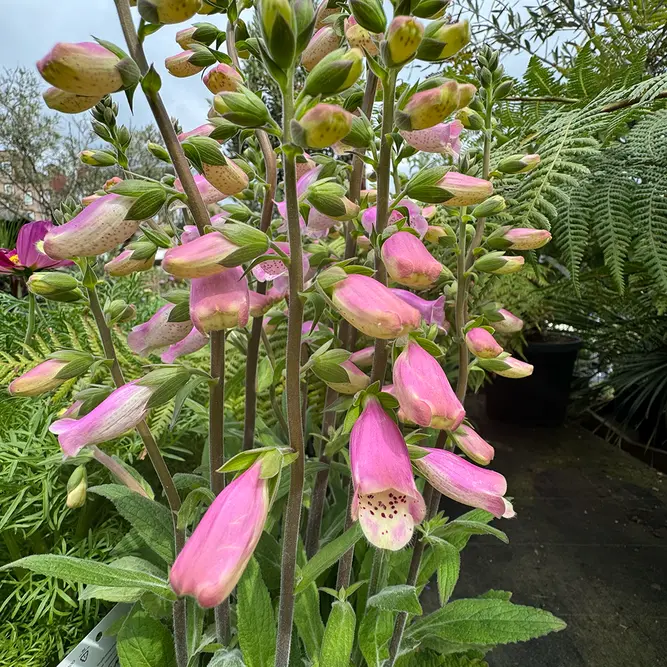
(312, 525)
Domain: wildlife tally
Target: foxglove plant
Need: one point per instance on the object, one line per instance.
(348, 257)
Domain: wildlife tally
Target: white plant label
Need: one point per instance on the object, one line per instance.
(96, 649)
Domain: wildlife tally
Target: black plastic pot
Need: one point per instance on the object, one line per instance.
(542, 398)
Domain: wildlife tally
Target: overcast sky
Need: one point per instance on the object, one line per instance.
(31, 27)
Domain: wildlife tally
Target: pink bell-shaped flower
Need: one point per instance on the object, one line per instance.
(509, 324)
(217, 553)
(220, 302)
(441, 138)
(386, 501)
(482, 344)
(157, 333)
(408, 262)
(432, 312)
(473, 445)
(193, 342)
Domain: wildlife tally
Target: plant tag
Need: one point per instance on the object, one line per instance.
(97, 649)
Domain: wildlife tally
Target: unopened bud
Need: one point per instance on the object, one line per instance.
(77, 488)
(430, 9)
(51, 284)
(95, 158)
(470, 119)
(158, 151)
(242, 107)
(402, 41)
(324, 41)
(491, 206)
(499, 264)
(442, 40)
(335, 73)
(359, 38)
(519, 164)
(222, 78)
(369, 14)
(180, 65)
(329, 199)
(361, 135)
(278, 25)
(168, 11)
(60, 100)
(322, 126)
(120, 311)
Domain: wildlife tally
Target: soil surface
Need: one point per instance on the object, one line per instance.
(589, 544)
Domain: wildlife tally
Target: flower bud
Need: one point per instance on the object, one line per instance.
(242, 107)
(97, 158)
(408, 262)
(434, 233)
(119, 311)
(157, 332)
(322, 126)
(335, 72)
(473, 446)
(304, 19)
(222, 78)
(51, 284)
(369, 14)
(428, 107)
(464, 482)
(99, 228)
(220, 301)
(39, 380)
(430, 9)
(442, 40)
(482, 344)
(401, 41)
(329, 198)
(432, 312)
(423, 390)
(193, 342)
(359, 38)
(236, 520)
(491, 206)
(463, 190)
(361, 135)
(363, 358)
(509, 324)
(508, 367)
(523, 238)
(168, 11)
(86, 69)
(441, 138)
(323, 42)
(357, 380)
(227, 178)
(499, 264)
(77, 488)
(470, 119)
(61, 100)
(372, 308)
(518, 164)
(209, 194)
(185, 37)
(180, 65)
(278, 25)
(125, 264)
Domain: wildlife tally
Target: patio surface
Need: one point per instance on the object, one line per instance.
(589, 544)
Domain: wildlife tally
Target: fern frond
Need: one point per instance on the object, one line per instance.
(650, 205)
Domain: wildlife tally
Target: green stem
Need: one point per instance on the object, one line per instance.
(216, 454)
(161, 469)
(292, 517)
(30, 330)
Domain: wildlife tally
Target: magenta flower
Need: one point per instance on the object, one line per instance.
(157, 333)
(86, 69)
(432, 312)
(386, 501)
(465, 482)
(318, 225)
(190, 233)
(509, 324)
(28, 255)
(372, 308)
(121, 411)
(209, 193)
(199, 131)
(220, 302)
(423, 390)
(99, 228)
(482, 344)
(465, 190)
(274, 268)
(416, 219)
(199, 257)
(38, 380)
(193, 342)
(473, 445)
(441, 138)
(216, 554)
(408, 262)
(363, 358)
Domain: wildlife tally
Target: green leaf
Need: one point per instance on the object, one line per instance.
(327, 556)
(122, 593)
(225, 658)
(148, 205)
(190, 507)
(150, 519)
(144, 642)
(338, 636)
(308, 620)
(91, 572)
(460, 527)
(255, 619)
(151, 82)
(135, 187)
(449, 567)
(180, 312)
(375, 632)
(497, 595)
(485, 622)
(397, 598)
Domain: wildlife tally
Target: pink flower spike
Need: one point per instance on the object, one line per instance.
(408, 262)
(466, 483)
(423, 390)
(121, 411)
(217, 553)
(473, 446)
(441, 138)
(386, 501)
(157, 333)
(220, 302)
(193, 342)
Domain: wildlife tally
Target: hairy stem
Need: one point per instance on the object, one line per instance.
(30, 329)
(460, 309)
(216, 454)
(162, 120)
(293, 390)
(159, 465)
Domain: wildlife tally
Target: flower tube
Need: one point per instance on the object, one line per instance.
(157, 333)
